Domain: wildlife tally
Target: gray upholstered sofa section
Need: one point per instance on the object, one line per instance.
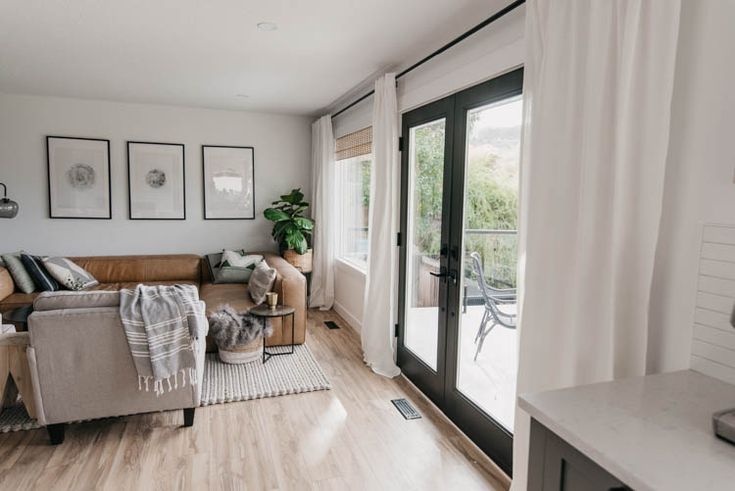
(81, 365)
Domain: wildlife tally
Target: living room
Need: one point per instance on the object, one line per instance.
(418, 245)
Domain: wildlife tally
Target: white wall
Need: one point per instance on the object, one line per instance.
(282, 152)
(699, 181)
(483, 56)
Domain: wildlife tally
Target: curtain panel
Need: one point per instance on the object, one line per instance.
(598, 82)
(324, 209)
(377, 334)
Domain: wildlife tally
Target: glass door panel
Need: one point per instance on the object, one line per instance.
(487, 353)
(459, 195)
(424, 230)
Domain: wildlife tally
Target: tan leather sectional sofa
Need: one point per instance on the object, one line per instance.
(116, 272)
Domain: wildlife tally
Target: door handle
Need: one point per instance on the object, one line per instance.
(444, 274)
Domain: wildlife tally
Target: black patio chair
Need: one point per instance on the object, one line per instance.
(493, 298)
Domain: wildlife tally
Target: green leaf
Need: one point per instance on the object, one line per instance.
(303, 223)
(275, 215)
(279, 229)
(296, 241)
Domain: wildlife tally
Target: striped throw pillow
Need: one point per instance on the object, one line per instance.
(43, 280)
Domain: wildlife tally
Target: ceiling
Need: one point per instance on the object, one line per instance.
(206, 52)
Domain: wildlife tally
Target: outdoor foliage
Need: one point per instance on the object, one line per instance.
(491, 204)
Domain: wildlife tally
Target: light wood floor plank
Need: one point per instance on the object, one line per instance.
(350, 437)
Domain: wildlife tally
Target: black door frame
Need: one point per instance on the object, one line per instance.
(440, 386)
(430, 382)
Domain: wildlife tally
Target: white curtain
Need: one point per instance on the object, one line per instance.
(598, 83)
(378, 341)
(323, 212)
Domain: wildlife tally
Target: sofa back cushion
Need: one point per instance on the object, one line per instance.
(75, 300)
(120, 269)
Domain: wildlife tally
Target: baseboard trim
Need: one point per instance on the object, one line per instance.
(353, 321)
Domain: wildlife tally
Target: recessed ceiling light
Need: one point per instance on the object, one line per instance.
(267, 26)
(244, 96)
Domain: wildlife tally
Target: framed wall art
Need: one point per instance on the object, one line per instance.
(156, 181)
(78, 177)
(229, 182)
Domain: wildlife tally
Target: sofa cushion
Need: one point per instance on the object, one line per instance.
(16, 300)
(75, 300)
(232, 294)
(7, 287)
(153, 268)
(21, 278)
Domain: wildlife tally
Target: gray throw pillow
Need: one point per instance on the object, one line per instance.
(23, 281)
(261, 282)
(69, 274)
(229, 274)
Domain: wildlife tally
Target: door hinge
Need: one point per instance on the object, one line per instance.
(395, 333)
(400, 144)
(398, 239)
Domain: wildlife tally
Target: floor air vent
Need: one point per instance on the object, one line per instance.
(331, 324)
(406, 409)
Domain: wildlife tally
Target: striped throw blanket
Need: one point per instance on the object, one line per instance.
(161, 324)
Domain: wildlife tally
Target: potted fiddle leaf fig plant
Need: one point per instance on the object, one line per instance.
(291, 229)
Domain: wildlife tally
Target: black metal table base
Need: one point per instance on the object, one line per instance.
(267, 355)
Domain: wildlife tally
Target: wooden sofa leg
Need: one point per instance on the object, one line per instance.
(56, 433)
(189, 416)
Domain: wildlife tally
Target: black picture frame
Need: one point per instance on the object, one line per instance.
(50, 186)
(204, 182)
(183, 180)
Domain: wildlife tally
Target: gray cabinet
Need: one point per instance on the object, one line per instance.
(554, 465)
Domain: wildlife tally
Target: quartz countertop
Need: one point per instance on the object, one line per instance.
(652, 432)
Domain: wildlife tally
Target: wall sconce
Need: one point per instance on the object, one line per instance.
(8, 207)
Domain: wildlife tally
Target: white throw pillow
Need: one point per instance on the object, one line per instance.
(237, 259)
(68, 273)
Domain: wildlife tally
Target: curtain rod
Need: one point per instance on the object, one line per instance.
(497, 15)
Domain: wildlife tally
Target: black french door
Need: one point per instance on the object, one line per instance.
(459, 175)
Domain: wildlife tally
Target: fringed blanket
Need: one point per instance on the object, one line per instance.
(161, 324)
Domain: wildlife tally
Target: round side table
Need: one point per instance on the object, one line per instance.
(264, 312)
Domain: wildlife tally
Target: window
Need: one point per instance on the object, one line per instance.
(353, 187)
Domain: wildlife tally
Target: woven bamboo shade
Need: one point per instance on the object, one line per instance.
(354, 144)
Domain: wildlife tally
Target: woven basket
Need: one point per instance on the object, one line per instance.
(302, 262)
(245, 353)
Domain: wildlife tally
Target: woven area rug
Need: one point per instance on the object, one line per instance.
(281, 375)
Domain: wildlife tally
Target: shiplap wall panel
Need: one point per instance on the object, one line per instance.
(718, 252)
(714, 336)
(716, 303)
(713, 343)
(718, 286)
(718, 269)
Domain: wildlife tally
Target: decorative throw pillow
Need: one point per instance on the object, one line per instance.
(23, 281)
(261, 282)
(233, 275)
(69, 273)
(238, 259)
(222, 271)
(43, 280)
